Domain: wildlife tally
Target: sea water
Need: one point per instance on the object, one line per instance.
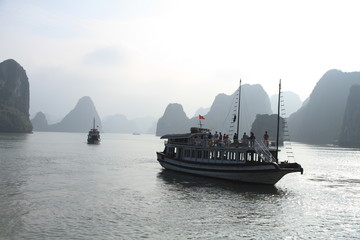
(55, 186)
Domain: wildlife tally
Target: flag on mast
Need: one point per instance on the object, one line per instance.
(201, 117)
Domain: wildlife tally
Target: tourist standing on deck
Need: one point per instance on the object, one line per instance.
(245, 139)
(252, 139)
(226, 139)
(266, 139)
(210, 139)
(236, 138)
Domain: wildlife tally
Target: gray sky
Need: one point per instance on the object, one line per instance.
(134, 57)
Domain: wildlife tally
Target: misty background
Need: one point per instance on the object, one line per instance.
(134, 57)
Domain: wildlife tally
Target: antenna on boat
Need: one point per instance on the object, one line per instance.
(238, 117)
(278, 124)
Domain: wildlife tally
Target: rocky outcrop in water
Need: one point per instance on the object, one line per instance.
(266, 122)
(40, 122)
(291, 102)
(320, 119)
(80, 119)
(350, 132)
(121, 124)
(174, 120)
(14, 98)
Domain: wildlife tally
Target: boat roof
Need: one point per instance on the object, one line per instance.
(181, 135)
(195, 131)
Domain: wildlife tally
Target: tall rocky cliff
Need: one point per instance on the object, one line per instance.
(266, 122)
(40, 122)
(350, 132)
(319, 120)
(174, 120)
(14, 98)
(80, 119)
(291, 100)
(254, 100)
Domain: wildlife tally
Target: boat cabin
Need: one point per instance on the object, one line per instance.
(197, 146)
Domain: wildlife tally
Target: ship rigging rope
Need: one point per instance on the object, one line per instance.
(232, 105)
(244, 115)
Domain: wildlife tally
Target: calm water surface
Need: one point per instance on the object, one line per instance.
(55, 186)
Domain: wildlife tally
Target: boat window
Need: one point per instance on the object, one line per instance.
(232, 156)
(199, 154)
(206, 154)
(225, 155)
(187, 153)
(193, 154)
(171, 151)
(241, 156)
(250, 156)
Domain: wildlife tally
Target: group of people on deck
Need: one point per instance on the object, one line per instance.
(251, 139)
(217, 139)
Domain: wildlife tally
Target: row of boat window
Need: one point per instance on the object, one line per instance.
(213, 154)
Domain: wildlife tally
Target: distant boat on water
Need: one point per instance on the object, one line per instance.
(93, 135)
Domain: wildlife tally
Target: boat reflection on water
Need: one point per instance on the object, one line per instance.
(175, 178)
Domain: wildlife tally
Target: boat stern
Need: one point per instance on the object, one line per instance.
(291, 167)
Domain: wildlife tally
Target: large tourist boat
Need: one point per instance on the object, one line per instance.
(93, 135)
(201, 153)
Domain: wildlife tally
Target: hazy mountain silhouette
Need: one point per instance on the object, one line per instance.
(40, 122)
(80, 119)
(146, 124)
(201, 111)
(350, 132)
(266, 122)
(320, 119)
(14, 98)
(119, 124)
(254, 100)
(291, 101)
(174, 120)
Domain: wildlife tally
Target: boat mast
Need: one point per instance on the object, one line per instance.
(278, 124)
(94, 123)
(238, 117)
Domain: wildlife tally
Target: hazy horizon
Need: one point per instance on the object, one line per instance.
(136, 57)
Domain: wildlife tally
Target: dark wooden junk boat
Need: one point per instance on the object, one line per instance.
(243, 161)
(93, 135)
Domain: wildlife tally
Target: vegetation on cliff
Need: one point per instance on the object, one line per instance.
(14, 98)
(13, 120)
(350, 132)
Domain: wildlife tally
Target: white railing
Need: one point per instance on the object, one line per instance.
(263, 152)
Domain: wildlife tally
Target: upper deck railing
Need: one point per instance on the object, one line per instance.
(263, 151)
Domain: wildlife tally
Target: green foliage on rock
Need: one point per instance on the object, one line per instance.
(14, 98)
(12, 120)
